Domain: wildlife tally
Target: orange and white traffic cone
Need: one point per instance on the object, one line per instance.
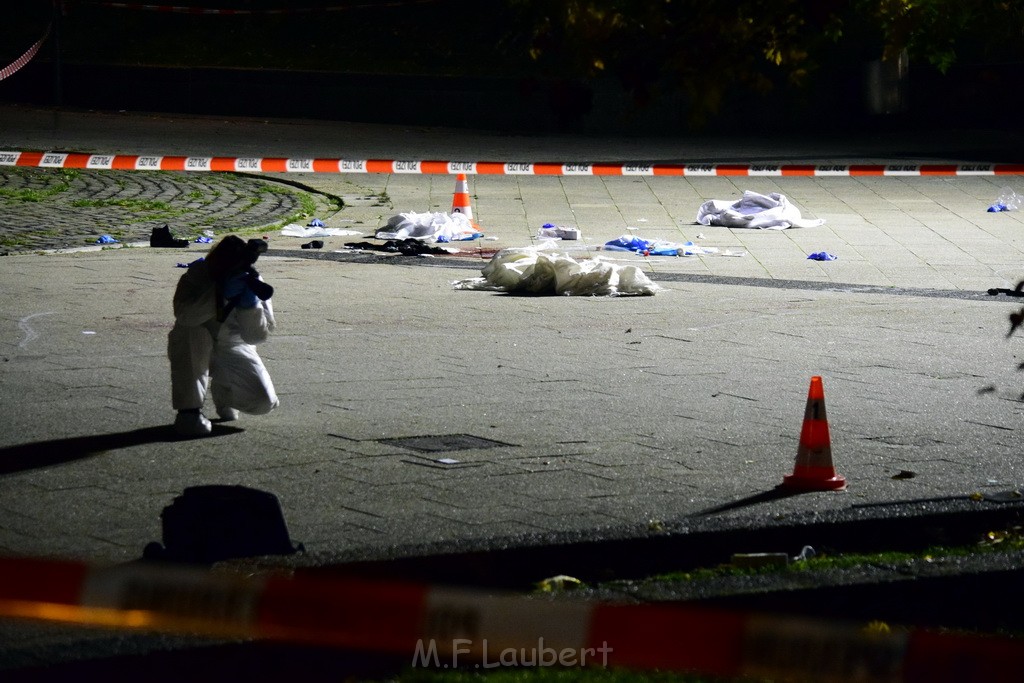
(460, 201)
(814, 470)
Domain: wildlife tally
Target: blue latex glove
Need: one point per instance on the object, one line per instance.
(822, 256)
(236, 290)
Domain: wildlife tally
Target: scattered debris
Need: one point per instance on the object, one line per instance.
(106, 239)
(1008, 200)
(656, 247)
(558, 232)
(293, 230)
(406, 247)
(559, 583)
(806, 553)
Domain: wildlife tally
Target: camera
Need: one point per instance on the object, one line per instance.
(245, 258)
(252, 251)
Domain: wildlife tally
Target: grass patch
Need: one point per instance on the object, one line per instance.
(1008, 540)
(32, 194)
(129, 203)
(15, 241)
(145, 209)
(63, 178)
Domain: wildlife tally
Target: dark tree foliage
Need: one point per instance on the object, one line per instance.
(707, 47)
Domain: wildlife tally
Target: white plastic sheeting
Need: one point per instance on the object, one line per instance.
(437, 227)
(771, 211)
(296, 230)
(536, 270)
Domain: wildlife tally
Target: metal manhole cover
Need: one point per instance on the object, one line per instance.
(444, 442)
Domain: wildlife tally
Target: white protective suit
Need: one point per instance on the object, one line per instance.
(205, 353)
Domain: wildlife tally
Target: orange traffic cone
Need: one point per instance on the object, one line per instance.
(460, 201)
(814, 470)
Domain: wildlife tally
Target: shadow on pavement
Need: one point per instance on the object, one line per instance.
(58, 451)
(777, 493)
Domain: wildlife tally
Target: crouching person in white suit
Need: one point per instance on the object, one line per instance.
(218, 320)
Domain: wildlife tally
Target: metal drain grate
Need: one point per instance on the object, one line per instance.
(443, 443)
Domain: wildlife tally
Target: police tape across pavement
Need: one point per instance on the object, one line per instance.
(444, 627)
(132, 162)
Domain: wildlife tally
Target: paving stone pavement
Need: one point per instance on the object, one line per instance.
(552, 417)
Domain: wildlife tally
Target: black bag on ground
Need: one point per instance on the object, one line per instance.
(208, 524)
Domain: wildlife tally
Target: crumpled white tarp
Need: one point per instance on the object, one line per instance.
(771, 211)
(296, 230)
(437, 227)
(536, 270)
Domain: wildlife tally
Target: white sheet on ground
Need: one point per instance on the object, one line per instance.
(437, 227)
(536, 270)
(771, 211)
(296, 230)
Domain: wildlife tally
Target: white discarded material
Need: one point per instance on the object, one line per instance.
(536, 270)
(436, 227)
(296, 230)
(558, 232)
(771, 211)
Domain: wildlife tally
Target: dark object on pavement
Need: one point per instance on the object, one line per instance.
(315, 244)
(208, 524)
(161, 237)
(1016, 291)
(406, 247)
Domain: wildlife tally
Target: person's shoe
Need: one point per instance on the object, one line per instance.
(161, 237)
(192, 423)
(227, 414)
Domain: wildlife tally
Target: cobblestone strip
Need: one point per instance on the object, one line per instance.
(69, 208)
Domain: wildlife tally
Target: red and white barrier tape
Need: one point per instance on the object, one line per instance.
(185, 9)
(128, 162)
(21, 61)
(446, 627)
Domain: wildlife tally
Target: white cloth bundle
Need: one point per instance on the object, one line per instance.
(772, 212)
(437, 227)
(534, 270)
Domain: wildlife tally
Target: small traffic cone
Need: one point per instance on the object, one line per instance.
(814, 470)
(460, 201)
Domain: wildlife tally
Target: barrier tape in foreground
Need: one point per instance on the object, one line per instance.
(449, 627)
(129, 162)
(21, 61)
